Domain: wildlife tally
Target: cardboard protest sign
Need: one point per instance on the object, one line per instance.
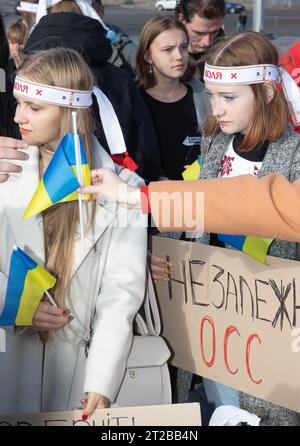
(167, 415)
(230, 318)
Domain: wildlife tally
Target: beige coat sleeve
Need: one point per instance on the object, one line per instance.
(269, 206)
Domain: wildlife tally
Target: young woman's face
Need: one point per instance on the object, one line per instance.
(39, 123)
(232, 106)
(168, 54)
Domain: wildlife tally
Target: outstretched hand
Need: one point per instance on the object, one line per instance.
(106, 185)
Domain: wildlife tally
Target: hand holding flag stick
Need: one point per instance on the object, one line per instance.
(52, 301)
(27, 282)
(78, 169)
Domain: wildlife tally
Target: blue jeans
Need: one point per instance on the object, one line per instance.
(211, 395)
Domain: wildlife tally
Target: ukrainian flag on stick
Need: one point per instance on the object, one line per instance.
(27, 282)
(255, 247)
(60, 182)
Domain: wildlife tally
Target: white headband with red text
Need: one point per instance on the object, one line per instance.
(257, 74)
(64, 97)
(52, 95)
(250, 74)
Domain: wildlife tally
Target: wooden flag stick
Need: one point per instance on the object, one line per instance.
(51, 299)
(79, 171)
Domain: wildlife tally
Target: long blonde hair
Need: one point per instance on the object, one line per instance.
(62, 67)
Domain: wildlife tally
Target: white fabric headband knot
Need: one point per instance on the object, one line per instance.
(40, 9)
(65, 97)
(255, 74)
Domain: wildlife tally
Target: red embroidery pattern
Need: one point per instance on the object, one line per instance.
(226, 165)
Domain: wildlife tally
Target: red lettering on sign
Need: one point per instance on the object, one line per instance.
(233, 75)
(250, 339)
(228, 332)
(231, 329)
(210, 321)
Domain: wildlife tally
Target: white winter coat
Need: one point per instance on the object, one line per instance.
(109, 267)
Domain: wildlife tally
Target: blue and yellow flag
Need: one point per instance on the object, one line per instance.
(255, 247)
(192, 172)
(60, 182)
(27, 282)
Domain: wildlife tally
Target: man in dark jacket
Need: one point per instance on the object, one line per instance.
(204, 22)
(87, 36)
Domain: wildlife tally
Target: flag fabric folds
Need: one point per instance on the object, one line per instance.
(60, 182)
(192, 172)
(27, 282)
(255, 247)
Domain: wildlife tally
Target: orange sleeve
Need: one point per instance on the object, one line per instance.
(269, 206)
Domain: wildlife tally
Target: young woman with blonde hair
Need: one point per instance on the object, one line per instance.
(94, 279)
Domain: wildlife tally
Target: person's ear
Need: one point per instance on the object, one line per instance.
(270, 88)
(147, 57)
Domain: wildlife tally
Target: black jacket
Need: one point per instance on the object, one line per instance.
(87, 36)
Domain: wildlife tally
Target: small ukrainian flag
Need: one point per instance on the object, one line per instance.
(192, 172)
(27, 282)
(59, 183)
(255, 247)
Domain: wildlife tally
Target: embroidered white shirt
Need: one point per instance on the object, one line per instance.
(233, 164)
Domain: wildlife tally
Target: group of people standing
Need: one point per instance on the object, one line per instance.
(186, 99)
